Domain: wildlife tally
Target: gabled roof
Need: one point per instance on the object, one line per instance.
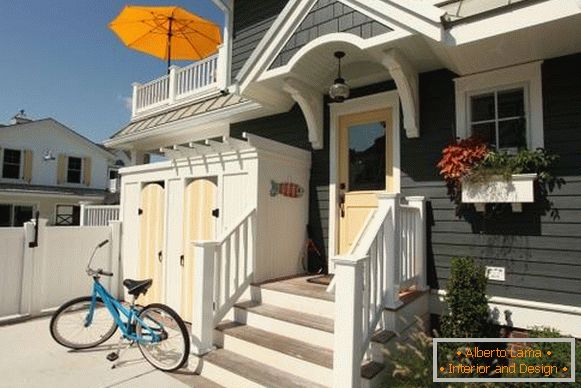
(42, 123)
(460, 11)
(20, 188)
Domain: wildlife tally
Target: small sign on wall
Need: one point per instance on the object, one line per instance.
(495, 273)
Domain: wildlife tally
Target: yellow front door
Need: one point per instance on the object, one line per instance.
(365, 169)
(199, 224)
(151, 240)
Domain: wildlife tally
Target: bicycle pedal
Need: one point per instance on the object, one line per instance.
(112, 356)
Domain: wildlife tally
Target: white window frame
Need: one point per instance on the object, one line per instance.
(527, 76)
(13, 205)
(21, 166)
(82, 170)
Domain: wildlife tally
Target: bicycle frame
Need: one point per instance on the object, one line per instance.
(116, 309)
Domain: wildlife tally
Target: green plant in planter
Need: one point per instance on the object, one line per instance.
(471, 159)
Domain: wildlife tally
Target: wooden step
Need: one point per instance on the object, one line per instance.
(256, 372)
(285, 345)
(195, 381)
(299, 286)
(292, 316)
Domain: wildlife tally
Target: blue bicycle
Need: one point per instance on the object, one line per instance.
(88, 321)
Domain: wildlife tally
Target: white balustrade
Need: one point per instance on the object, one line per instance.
(180, 84)
(388, 257)
(97, 215)
(224, 270)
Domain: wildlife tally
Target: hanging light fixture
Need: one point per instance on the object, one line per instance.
(339, 91)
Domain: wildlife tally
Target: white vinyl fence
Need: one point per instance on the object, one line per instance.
(98, 215)
(41, 268)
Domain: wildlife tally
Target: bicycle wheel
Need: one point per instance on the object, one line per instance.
(68, 324)
(172, 351)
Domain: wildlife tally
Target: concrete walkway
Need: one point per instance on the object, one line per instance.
(29, 357)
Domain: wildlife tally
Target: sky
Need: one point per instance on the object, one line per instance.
(59, 59)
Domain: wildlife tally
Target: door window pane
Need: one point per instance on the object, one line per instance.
(483, 107)
(74, 170)
(367, 156)
(5, 215)
(11, 164)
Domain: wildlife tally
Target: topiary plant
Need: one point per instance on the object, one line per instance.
(468, 313)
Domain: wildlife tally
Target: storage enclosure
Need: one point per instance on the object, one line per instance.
(200, 194)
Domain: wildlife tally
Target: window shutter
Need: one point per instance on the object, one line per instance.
(28, 166)
(61, 169)
(87, 171)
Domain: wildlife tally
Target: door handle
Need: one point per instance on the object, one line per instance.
(182, 260)
(160, 256)
(342, 204)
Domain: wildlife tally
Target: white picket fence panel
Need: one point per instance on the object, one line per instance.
(99, 215)
(37, 279)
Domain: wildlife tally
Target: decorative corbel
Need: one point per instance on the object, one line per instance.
(311, 103)
(407, 82)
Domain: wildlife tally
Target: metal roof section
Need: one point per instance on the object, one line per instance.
(462, 11)
(187, 111)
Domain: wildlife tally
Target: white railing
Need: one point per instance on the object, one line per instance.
(98, 215)
(388, 257)
(224, 270)
(179, 85)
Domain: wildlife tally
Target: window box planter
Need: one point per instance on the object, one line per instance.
(517, 190)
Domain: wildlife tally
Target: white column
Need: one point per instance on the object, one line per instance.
(348, 329)
(39, 258)
(203, 308)
(419, 203)
(135, 86)
(392, 248)
(115, 257)
(27, 269)
(173, 83)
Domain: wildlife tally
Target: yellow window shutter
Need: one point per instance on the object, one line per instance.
(87, 171)
(28, 166)
(61, 169)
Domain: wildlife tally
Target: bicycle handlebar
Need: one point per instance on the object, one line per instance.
(103, 243)
(98, 272)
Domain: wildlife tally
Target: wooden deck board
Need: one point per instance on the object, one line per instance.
(299, 286)
(289, 346)
(255, 371)
(292, 316)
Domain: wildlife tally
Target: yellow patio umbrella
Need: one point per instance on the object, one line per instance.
(167, 32)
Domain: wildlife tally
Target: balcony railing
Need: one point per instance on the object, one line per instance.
(181, 84)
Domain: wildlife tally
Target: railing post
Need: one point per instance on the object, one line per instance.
(173, 83)
(222, 68)
(134, 105)
(392, 248)
(348, 330)
(419, 203)
(203, 308)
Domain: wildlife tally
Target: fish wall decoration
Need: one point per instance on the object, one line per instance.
(286, 189)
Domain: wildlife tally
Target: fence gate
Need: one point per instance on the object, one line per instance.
(41, 268)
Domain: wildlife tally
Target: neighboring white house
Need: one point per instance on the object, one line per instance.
(48, 167)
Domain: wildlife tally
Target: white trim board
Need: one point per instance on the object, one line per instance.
(356, 105)
(528, 75)
(525, 314)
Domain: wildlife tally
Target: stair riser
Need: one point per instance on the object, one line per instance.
(302, 333)
(322, 308)
(226, 378)
(284, 362)
(401, 319)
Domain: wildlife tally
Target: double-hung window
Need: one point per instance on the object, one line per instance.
(11, 163)
(503, 107)
(74, 170)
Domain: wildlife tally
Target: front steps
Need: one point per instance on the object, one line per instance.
(283, 337)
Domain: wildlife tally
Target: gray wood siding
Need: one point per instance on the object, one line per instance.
(327, 17)
(252, 18)
(541, 254)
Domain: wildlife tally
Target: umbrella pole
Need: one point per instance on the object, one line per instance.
(169, 34)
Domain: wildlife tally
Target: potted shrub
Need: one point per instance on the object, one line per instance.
(477, 175)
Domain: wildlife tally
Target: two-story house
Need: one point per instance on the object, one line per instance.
(374, 90)
(49, 168)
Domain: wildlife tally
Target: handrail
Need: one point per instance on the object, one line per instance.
(235, 226)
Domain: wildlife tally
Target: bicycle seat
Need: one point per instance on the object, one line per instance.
(137, 287)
